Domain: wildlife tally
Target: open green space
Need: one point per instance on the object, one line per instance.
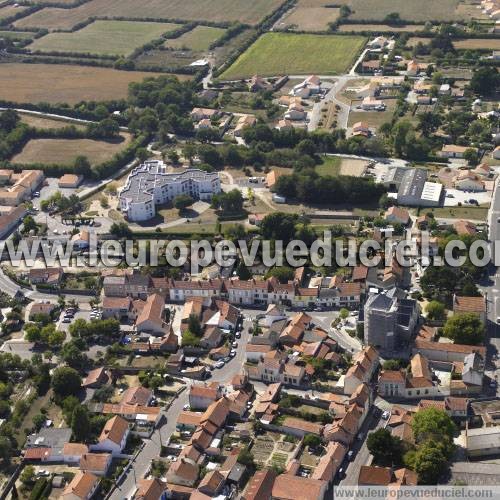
(297, 54)
(117, 38)
(198, 39)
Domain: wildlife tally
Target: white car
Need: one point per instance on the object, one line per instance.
(186, 407)
(386, 415)
(219, 364)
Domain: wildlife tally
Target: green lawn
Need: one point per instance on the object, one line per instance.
(198, 39)
(467, 213)
(117, 38)
(300, 54)
(330, 166)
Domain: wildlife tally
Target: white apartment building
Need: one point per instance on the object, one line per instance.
(150, 184)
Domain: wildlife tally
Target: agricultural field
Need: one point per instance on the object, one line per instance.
(478, 44)
(422, 10)
(41, 122)
(16, 35)
(285, 53)
(53, 18)
(65, 151)
(380, 28)
(221, 53)
(115, 38)
(167, 60)
(10, 10)
(309, 15)
(198, 40)
(55, 83)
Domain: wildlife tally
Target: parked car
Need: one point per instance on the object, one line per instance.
(237, 335)
(350, 454)
(220, 364)
(234, 344)
(386, 415)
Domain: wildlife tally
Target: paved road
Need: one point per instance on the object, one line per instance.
(491, 289)
(152, 447)
(361, 454)
(151, 450)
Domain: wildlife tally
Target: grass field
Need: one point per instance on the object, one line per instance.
(198, 39)
(330, 166)
(10, 10)
(286, 53)
(16, 35)
(411, 10)
(116, 38)
(250, 12)
(467, 213)
(65, 151)
(47, 123)
(57, 83)
(309, 15)
(380, 28)
(477, 43)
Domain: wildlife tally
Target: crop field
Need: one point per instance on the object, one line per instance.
(65, 151)
(301, 54)
(169, 60)
(16, 35)
(116, 38)
(55, 83)
(309, 15)
(245, 11)
(198, 39)
(10, 10)
(411, 10)
(380, 28)
(477, 43)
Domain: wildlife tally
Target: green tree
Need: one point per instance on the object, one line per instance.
(27, 476)
(430, 463)
(80, 423)
(392, 364)
(432, 424)
(243, 272)
(183, 201)
(485, 80)
(66, 381)
(466, 328)
(246, 457)
(435, 310)
(343, 313)
(282, 273)
(385, 448)
(312, 440)
(5, 448)
(194, 325)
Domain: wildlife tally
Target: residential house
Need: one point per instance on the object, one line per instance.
(151, 489)
(372, 475)
(69, 181)
(116, 307)
(330, 462)
(464, 227)
(42, 307)
(453, 151)
(151, 317)
(96, 463)
(290, 487)
(201, 396)
(113, 437)
(82, 487)
(47, 276)
(96, 378)
(183, 472)
(361, 128)
(446, 351)
(260, 486)
(396, 214)
(244, 122)
(299, 428)
(364, 365)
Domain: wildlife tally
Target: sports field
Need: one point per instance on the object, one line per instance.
(410, 10)
(309, 15)
(197, 40)
(65, 151)
(58, 83)
(296, 54)
(245, 11)
(116, 38)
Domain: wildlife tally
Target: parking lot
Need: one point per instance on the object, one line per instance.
(454, 196)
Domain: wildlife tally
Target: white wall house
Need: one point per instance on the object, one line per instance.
(113, 437)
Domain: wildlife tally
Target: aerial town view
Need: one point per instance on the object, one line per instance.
(249, 249)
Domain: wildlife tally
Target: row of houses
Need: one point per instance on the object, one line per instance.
(235, 291)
